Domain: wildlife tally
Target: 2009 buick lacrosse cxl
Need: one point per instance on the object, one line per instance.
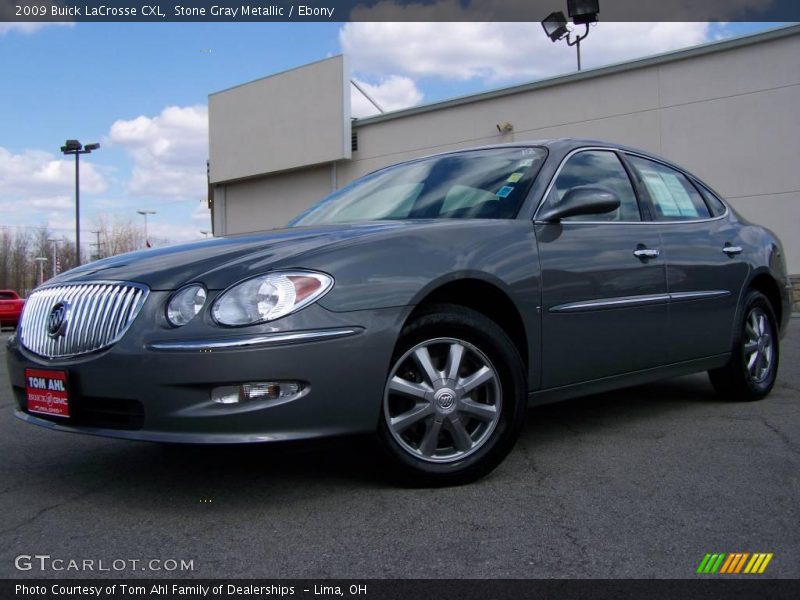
(430, 302)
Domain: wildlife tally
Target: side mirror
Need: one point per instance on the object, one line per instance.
(581, 200)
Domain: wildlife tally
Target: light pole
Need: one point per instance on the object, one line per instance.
(582, 12)
(55, 243)
(41, 260)
(76, 148)
(144, 213)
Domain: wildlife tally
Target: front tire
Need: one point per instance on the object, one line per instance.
(753, 367)
(455, 398)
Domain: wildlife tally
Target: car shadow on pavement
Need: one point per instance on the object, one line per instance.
(271, 469)
(143, 474)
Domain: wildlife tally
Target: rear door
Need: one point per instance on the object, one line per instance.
(705, 270)
(604, 301)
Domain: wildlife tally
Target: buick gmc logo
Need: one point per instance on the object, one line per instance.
(57, 320)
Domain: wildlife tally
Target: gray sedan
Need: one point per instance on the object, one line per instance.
(429, 302)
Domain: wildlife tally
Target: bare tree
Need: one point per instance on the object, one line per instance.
(116, 235)
(21, 271)
(6, 243)
(19, 249)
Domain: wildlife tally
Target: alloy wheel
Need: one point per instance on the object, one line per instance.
(442, 400)
(759, 345)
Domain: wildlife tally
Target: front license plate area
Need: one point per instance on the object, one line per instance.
(46, 392)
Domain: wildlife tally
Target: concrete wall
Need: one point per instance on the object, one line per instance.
(729, 113)
(296, 118)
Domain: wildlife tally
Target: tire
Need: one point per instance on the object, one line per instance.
(753, 367)
(451, 419)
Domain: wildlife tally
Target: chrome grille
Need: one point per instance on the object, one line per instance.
(98, 314)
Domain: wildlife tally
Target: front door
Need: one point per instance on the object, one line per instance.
(604, 295)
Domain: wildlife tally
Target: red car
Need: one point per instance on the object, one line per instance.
(10, 307)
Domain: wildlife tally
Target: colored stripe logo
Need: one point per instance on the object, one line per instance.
(734, 563)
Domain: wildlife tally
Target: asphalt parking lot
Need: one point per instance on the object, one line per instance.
(637, 483)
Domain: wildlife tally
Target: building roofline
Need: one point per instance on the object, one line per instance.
(639, 63)
(271, 75)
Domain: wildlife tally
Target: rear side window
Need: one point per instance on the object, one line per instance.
(7, 296)
(673, 196)
(597, 167)
(715, 205)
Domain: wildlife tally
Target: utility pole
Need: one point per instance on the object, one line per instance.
(97, 245)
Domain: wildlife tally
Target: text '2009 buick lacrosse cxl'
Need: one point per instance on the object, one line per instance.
(429, 302)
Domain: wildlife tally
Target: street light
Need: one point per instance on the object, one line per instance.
(144, 213)
(582, 12)
(55, 243)
(41, 260)
(76, 148)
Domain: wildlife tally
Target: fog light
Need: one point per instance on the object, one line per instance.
(262, 390)
(271, 390)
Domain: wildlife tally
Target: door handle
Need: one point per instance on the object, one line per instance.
(646, 253)
(732, 250)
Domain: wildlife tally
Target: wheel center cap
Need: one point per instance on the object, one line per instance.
(445, 399)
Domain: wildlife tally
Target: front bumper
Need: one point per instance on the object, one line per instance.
(155, 383)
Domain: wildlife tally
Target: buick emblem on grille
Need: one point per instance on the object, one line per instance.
(57, 320)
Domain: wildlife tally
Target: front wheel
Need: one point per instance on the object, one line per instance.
(454, 400)
(753, 367)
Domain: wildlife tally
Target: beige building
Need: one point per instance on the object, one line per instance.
(728, 111)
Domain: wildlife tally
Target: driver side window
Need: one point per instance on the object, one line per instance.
(599, 168)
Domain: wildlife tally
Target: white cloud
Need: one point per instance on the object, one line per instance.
(170, 233)
(38, 185)
(391, 93)
(501, 52)
(169, 151)
(28, 28)
(202, 215)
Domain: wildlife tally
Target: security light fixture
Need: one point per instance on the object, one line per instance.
(582, 12)
(555, 26)
(76, 148)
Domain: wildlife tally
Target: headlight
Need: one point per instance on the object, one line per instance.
(185, 304)
(269, 297)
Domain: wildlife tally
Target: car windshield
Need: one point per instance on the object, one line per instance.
(477, 184)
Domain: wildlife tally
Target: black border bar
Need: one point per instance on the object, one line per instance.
(388, 10)
(701, 588)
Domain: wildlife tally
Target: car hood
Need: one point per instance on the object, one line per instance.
(219, 262)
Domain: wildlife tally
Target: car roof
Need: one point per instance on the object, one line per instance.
(557, 146)
(562, 147)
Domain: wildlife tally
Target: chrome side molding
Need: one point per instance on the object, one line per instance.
(704, 295)
(633, 301)
(255, 341)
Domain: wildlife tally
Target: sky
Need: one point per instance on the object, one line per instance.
(141, 91)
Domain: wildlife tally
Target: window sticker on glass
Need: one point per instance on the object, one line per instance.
(661, 194)
(680, 195)
(504, 191)
(515, 177)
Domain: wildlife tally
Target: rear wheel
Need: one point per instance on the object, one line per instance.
(750, 374)
(454, 401)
